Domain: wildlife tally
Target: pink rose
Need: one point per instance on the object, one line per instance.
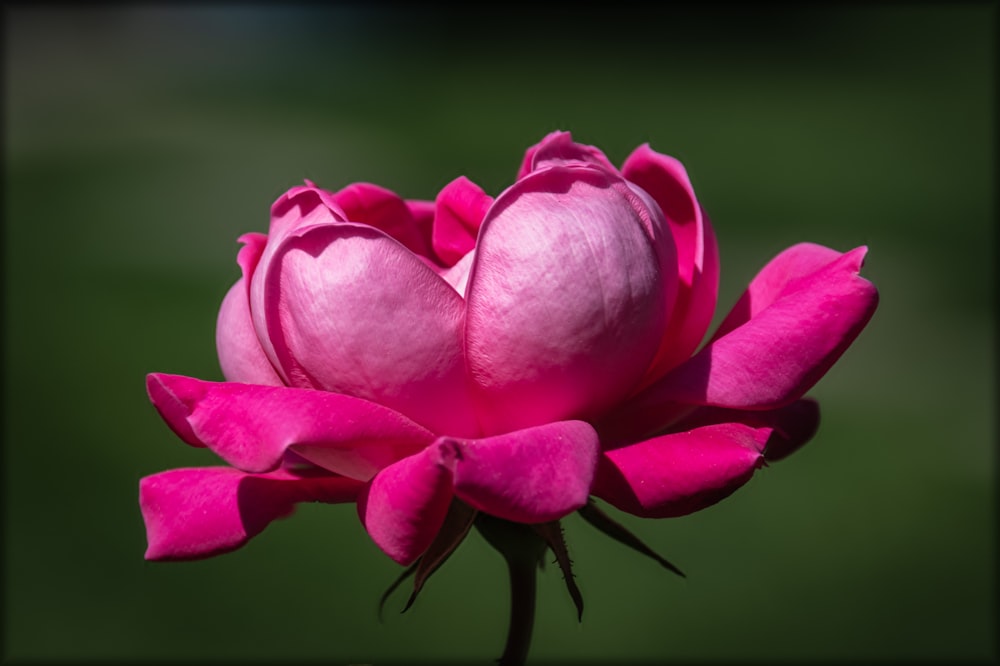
(519, 354)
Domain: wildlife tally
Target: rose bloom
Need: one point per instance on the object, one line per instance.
(520, 355)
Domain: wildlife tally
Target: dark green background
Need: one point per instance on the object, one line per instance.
(140, 142)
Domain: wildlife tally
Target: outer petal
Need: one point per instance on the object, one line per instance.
(677, 474)
(529, 476)
(534, 475)
(459, 212)
(791, 426)
(768, 285)
(378, 207)
(666, 181)
(565, 300)
(774, 358)
(200, 512)
(769, 361)
(252, 426)
(350, 310)
(405, 505)
(558, 148)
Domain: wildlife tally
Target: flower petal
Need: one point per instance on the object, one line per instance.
(383, 209)
(199, 512)
(458, 275)
(241, 356)
(533, 475)
(795, 262)
(406, 503)
(459, 211)
(530, 476)
(677, 474)
(791, 426)
(769, 361)
(666, 181)
(423, 215)
(558, 148)
(298, 208)
(350, 310)
(564, 273)
(251, 426)
(774, 358)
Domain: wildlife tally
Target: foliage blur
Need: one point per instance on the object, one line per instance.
(140, 141)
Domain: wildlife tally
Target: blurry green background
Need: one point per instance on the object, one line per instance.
(139, 142)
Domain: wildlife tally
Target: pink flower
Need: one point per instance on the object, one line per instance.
(519, 354)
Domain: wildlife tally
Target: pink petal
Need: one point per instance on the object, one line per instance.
(241, 357)
(677, 474)
(299, 208)
(459, 212)
(666, 181)
(559, 149)
(251, 426)
(405, 505)
(458, 275)
(380, 208)
(200, 512)
(423, 216)
(795, 262)
(249, 256)
(528, 476)
(350, 310)
(565, 300)
(534, 475)
(774, 358)
(791, 426)
(302, 206)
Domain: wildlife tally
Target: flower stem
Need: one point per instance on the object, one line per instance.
(522, 612)
(522, 549)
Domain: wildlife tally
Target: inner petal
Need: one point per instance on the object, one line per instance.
(565, 298)
(352, 311)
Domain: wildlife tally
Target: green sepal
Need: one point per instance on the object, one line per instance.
(602, 521)
(552, 533)
(457, 523)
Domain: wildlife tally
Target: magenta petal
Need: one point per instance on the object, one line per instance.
(774, 358)
(666, 181)
(251, 426)
(350, 310)
(380, 208)
(530, 476)
(791, 426)
(200, 512)
(405, 505)
(680, 473)
(772, 280)
(766, 363)
(533, 475)
(564, 273)
(459, 212)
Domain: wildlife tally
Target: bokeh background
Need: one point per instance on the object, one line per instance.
(140, 141)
